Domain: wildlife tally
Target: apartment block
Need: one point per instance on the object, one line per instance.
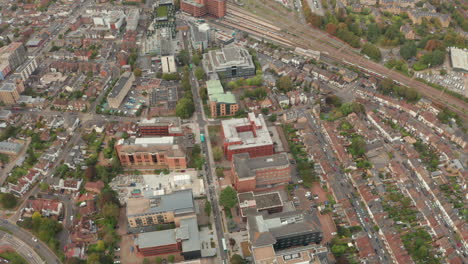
(260, 173)
(152, 153)
(8, 93)
(155, 208)
(221, 103)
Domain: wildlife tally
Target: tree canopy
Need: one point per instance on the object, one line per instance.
(372, 51)
(228, 198)
(284, 83)
(185, 108)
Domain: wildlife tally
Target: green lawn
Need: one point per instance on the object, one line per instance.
(13, 257)
(161, 11)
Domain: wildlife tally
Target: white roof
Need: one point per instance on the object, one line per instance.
(459, 58)
(168, 64)
(154, 140)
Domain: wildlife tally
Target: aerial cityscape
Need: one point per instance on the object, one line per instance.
(234, 131)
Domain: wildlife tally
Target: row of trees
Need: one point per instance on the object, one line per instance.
(389, 88)
(185, 106)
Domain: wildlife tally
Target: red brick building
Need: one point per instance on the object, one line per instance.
(152, 153)
(255, 174)
(198, 8)
(183, 240)
(161, 127)
(246, 135)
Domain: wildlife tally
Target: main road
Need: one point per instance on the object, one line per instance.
(202, 121)
(27, 238)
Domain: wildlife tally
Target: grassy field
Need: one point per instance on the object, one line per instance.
(161, 11)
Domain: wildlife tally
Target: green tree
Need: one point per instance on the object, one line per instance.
(8, 200)
(137, 72)
(111, 210)
(4, 158)
(93, 258)
(183, 57)
(158, 260)
(43, 186)
(185, 108)
(408, 50)
(338, 250)
(146, 261)
(217, 153)
(199, 73)
(196, 58)
(372, 51)
(236, 259)
(272, 118)
(228, 198)
(357, 147)
(171, 258)
(284, 83)
(207, 208)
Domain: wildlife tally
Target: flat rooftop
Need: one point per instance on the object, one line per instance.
(246, 166)
(10, 147)
(156, 238)
(261, 200)
(247, 138)
(8, 87)
(459, 58)
(120, 85)
(154, 141)
(160, 121)
(178, 202)
(187, 233)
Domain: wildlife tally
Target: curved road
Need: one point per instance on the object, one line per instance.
(26, 237)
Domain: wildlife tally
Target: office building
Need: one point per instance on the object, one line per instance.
(200, 35)
(160, 127)
(246, 135)
(183, 240)
(154, 209)
(120, 90)
(230, 61)
(152, 153)
(284, 230)
(260, 173)
(198, 8)
(9, 94)
(221, 103)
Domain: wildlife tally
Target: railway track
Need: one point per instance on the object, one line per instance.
(291, 36)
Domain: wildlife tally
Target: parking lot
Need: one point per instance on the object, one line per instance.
(454, 81)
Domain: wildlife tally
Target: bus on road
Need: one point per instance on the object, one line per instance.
(224, 244)
(202, 137)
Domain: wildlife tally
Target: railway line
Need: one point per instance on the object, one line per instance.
(299, 36)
